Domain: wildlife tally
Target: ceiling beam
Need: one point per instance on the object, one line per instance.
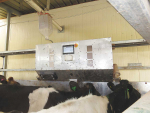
(51, 6)
(9, 9)
(3, 1)
(40, 3)
(71, 2)
(57, 3)
(67, 2)
(64, 3)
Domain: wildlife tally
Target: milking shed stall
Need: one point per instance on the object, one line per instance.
(52, 42)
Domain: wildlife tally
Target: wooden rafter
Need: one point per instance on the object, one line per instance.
(3, 1)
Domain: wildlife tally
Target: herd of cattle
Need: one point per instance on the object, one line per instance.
(33, 99)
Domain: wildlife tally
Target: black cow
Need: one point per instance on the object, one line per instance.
(123, 96)
(56, 98)
(13, 97)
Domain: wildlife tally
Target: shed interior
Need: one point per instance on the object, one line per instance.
(83, 20)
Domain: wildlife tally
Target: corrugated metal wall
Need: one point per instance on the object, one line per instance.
(92, 20)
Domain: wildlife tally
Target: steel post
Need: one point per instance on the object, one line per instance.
(7, 41)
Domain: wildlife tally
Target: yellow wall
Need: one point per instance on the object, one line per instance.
(92, 20)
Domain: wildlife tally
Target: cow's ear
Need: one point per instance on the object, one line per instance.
(74, 86)
(130, 88)
(124, 82)
(111, 86)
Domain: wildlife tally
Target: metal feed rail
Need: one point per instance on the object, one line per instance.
(116, 44)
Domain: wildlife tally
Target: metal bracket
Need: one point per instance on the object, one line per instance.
(52, 76)
(17, 52)
(134, 66)
(63, 30)
(129, 43)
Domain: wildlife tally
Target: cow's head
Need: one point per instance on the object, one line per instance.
(10, 79)
(92, 89)
(123, 96)
(87, 89)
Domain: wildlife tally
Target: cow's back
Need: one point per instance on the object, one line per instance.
(61, 96)
(87, 104)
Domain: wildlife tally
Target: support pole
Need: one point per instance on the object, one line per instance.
(7, 40)
(3, 61)
(8, 9)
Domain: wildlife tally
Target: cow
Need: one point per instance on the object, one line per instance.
(33, 98)
(131, 95)
(10, 81)
(115, 102)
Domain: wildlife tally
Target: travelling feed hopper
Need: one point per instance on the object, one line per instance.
(86, 60)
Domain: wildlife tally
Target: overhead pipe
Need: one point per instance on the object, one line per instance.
(40, 3)
(48, 5)
(39, 9)
(57, 25)
(34, 5)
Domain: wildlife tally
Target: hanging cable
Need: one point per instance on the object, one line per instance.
(49, 40)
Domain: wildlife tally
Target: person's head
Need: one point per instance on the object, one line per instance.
(10, 79)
